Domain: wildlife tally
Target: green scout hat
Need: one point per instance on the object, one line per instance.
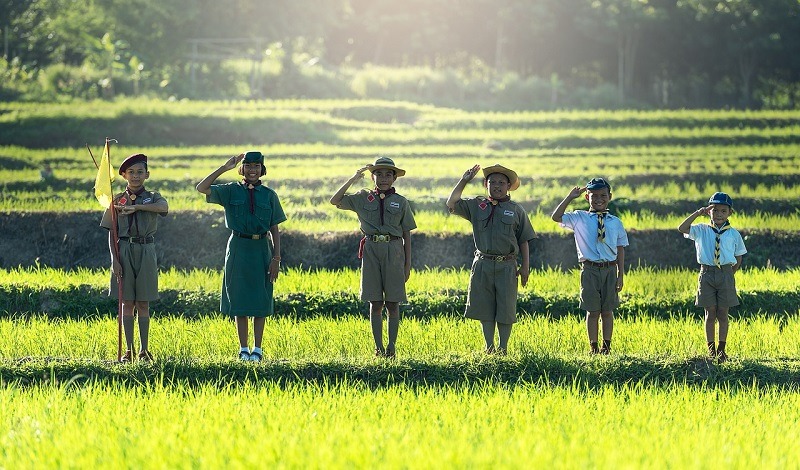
(253, 156)
(513, 179)
(386, 162)
(132, 160)
(721, 198)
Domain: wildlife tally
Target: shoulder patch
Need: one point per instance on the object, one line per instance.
(370, 197)
(483, 205)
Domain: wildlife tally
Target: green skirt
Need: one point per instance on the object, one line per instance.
(246, 289)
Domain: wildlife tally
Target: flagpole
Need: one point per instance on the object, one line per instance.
(115, 246)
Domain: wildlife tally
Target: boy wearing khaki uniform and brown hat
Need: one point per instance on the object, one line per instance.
(501, 230)
(137, 221)
(385, 250)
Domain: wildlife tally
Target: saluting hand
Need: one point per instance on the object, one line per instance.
(360, 172)
(469, 174)
(576, 192)
(233, 162)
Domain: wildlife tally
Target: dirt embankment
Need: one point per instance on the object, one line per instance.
(197, 240)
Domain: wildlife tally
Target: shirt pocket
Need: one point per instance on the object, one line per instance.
(264, 212)
(506, 224)
(392, 215)
(239, 206)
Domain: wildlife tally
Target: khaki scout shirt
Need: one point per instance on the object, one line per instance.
(508, 228)
(397, 216)
(145, 224)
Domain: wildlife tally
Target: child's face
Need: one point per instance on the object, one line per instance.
(719, 213)
(598, 199)
(251, 172)
(384, 178)
(135, 175)
(497, 185)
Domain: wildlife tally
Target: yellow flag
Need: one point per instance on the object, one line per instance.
(102, 183)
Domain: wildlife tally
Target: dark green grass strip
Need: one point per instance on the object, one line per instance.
(591, 372)
(86, 302)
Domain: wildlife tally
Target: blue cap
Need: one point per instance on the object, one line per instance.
(721, 198)
(598, 183)
(253, 156)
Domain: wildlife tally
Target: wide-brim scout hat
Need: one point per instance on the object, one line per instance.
(132, 160)
(513, 179)
(721, 198)
(388, 163)
(598, 183)
(253, 156)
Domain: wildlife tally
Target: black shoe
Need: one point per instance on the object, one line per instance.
(390, 353)
(244, 355)
(380, 352)
(145, 356)
(721, 357)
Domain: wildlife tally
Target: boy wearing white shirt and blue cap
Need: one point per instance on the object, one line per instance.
(719, 252)
(600, 239)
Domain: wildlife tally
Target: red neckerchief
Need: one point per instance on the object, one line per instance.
(494, 203)
(382, 196)
(250, 188)
(133, 195)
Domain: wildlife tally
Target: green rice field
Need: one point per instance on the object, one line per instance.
(320, 399)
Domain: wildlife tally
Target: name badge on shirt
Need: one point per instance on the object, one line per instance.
(394, 204)
(148, 200)
(511, 213)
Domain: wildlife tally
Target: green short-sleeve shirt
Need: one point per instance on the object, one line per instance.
(235, 198)
(397, 215)
(500, 234)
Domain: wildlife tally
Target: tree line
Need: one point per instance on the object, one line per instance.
(651, 53)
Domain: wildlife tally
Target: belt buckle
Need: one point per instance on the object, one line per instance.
(499, 258)
(380, 238)
(256, 236)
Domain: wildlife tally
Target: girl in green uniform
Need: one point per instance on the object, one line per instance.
(253, 255)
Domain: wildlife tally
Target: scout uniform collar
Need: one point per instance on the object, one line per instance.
(250, 189)
(494, 203)
(133, 194)
(381, 197)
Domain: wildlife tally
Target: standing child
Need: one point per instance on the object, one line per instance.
(137, 222)
(501, 230)
(719, 252)
(600, 240)
(385, 250)
(253, 254)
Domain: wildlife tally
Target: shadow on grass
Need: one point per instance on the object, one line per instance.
(585, 372)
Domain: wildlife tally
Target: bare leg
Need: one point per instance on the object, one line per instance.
(376, 321)
(127, 322)
(504, 332)
(143, 314)
(722, 318)
(711, 319)
(488, 335)
(241, 331)
(393, 317)
(258, 330)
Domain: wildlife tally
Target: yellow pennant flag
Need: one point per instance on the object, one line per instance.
(102, 183)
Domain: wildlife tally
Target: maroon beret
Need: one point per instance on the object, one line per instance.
(132, 160)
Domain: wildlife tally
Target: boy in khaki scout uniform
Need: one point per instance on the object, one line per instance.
(501, 230)
(385, 250)
(253, 254)
(138, 210)
(601, 240)
(719, 253)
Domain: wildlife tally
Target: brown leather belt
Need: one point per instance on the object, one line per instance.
(498, 258)
(604, 264)
(250, 237)
(382, 238)
(139, 240)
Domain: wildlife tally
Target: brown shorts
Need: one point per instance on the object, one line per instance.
(383, 274)
(716, 287)
(139, 272)
(492, 291)
(599, 288)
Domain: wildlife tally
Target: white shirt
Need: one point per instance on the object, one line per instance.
(584, 224)
(731, 244)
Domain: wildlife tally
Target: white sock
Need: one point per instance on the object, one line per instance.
(257, 350)
(244, 349)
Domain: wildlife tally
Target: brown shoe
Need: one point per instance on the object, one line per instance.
(145, 356)
(380, 352)
(390, 353)
(126, 358)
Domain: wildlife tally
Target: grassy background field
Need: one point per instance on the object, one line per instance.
(320, 399)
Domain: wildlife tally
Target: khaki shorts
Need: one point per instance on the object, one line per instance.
(492, 291)
(716, 287)
(383, 275)
(139, 272)
(599, 288)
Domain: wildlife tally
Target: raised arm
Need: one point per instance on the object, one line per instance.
(686, 225)
(336, 199)
(558, 213)
(455, 195)
(205, 185)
